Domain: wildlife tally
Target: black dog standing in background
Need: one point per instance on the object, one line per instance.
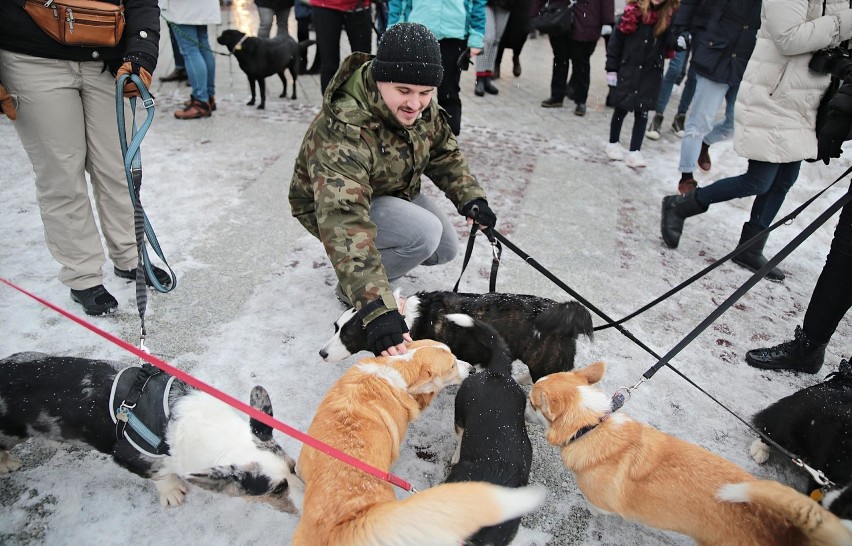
(260, 58)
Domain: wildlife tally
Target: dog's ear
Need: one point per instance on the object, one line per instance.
(435, 368)
(593, 372)
(538, 399)
(259, 400)
(233, 480)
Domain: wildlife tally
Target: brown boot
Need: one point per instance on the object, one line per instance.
(211, 102)
(685, 186)
(196, 109)
(704, 162)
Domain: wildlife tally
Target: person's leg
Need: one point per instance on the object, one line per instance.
(448, 246)
(448, 91)
(327, 26)
(724, 129)
(705, 104)
(688, 91)
(179, 62)
(618, 115)
(832, 296)
(105, 166)
(52, 131)
(406, 234)
(640, 122)
(282, 17)
(303, 32)
(196, 66)
(209, 60)
(559, 76)
(581, 54)
(265, 26)
(757, 180)
(670, 79)
(359, 29)
(768, 202)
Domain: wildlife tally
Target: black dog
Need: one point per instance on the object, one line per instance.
(539, 332)
(191, 436)
(816, 424)
(490, 425)
(260, 58)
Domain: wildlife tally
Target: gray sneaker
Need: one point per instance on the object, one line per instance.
(679, 124)
(653, 131)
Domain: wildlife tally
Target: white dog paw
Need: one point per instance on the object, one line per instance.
(524, 378)
(8, 462)
(172, 490)
(759, 451)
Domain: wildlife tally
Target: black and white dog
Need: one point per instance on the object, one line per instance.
(493, 445)
(538, 331)
(816, 424)
(188, 436)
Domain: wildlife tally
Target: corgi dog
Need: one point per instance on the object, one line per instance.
(366, 414)
(199, 439)
(645, 475)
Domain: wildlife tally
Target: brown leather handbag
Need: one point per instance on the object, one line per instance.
(88, 23)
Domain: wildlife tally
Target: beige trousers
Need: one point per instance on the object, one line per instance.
(68, 126)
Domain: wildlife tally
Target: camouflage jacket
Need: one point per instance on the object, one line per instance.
(356, 149)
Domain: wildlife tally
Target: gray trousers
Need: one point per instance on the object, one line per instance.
(412, 233)
(67, 125)
(496, 20)
(265, 26)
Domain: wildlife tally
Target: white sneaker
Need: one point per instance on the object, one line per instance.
(614, 151)
(634, 159)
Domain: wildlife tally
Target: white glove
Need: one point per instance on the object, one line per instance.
(612, 79)
(681, 42)
(606, 30)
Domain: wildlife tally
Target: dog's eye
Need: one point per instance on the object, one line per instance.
(280, 488)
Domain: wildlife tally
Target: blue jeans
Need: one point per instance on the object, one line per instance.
(674, 73)
(701, 125)
(198, 58)
(770, 182)
(412, 233)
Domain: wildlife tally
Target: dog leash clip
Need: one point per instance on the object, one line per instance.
(817, 475)
(622, 395)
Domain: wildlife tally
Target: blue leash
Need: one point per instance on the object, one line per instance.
(133, 170)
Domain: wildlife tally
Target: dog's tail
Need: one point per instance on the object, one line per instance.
(567, 319)
(305, 44)
(821, 526)
(446, 514)
(479, 341)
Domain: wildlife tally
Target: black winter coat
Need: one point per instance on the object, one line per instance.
(693, 15)
(638, 58)
(724, 48)
(18, 33)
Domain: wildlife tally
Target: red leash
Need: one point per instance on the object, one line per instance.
(230, 400)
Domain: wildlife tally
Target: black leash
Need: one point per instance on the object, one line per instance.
(765, 233)
(619, 398)
(496, 254)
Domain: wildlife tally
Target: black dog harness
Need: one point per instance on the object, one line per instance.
(141, 400)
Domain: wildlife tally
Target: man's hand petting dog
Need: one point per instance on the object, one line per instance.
(387, 334)
(478, 210)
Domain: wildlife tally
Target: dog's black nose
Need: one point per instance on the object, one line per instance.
(323, 354)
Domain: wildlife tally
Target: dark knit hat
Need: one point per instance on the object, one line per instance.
(408, 53)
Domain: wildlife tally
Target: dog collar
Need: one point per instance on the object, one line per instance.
(240, 43)
(588, 428)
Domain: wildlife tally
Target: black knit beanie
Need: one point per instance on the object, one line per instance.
(408, 53)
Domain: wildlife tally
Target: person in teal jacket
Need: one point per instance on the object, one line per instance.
(459, 26)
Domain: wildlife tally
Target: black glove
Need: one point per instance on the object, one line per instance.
(837, 125)
(481, 213)
(385, 331)
(464, 61)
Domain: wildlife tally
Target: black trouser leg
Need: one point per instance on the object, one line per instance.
(561, 58)
(448, 91)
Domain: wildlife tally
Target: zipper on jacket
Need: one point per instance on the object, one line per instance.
(70, 18)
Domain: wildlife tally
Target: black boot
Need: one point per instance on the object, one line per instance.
(479, 88)
(488, 86)
(752, 258)
(676, 209)
(799, 355)
(96, 301)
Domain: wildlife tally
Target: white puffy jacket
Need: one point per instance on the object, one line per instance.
(778, 98)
